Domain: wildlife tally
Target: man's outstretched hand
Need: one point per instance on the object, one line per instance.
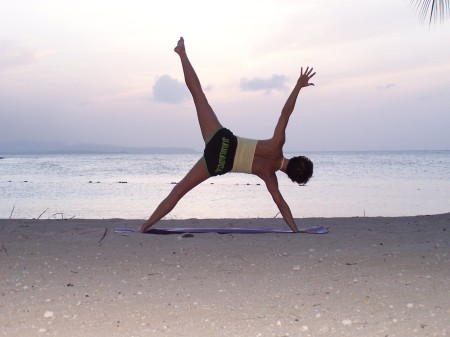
(306, 76)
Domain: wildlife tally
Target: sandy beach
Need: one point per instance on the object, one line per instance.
(366, 277)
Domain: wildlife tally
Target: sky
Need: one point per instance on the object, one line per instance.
(105, 72)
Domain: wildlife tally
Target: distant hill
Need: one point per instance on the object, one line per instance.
(83, 148)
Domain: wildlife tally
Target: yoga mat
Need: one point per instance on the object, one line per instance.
(166, 231)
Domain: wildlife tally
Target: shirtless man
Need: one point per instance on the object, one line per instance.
(224, 152)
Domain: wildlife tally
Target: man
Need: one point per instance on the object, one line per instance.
(225, 152)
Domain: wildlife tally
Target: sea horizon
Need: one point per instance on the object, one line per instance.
(79, 148)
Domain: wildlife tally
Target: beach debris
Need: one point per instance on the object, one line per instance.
(49, 314)
(304, 328)
(12, 211)
(187, 235)
(54, 216)
(296, 317)
(103, 236)
(42, 214)
(346, 322)
(243, 259)
(4, 249)
(296, 268)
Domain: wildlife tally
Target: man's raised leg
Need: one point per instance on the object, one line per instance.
(207, 119)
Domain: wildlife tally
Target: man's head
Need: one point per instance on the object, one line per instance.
(299, 169)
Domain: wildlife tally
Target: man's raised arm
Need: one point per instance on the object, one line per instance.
(303, 81)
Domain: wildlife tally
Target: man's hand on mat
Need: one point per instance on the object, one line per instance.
(143, 229)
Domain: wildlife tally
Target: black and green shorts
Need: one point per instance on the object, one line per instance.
(219, 152)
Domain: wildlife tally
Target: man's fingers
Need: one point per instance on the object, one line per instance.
(307, 71)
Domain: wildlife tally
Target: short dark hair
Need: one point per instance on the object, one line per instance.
(300, 169)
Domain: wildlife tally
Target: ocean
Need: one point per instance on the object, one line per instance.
(130, 186)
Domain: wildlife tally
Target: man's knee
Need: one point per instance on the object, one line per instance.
(177, 193)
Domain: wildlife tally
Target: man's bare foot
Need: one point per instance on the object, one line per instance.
(180, 46)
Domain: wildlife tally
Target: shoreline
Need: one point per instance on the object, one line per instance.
(369, 276)
(165, 221)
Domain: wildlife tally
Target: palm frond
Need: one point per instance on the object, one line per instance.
(432, 9)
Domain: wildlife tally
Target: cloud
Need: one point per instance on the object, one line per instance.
(276, 82)
(386, 86)
(12, 55)
(170, 90)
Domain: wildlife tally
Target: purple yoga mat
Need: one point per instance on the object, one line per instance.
(165, 231)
